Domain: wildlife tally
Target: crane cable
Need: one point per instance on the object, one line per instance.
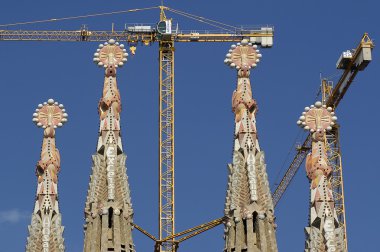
(291, 150)
(79, 17)
(182, 13)
(211, 22)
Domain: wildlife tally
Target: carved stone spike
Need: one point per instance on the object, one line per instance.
(46, 230)
(322, 232)
(108, 206)
(248, 205)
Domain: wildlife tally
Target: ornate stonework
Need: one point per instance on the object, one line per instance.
(324, 233)
(45, 231)
(108, 209)
(250, 226)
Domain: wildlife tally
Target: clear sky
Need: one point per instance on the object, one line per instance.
(309, 37)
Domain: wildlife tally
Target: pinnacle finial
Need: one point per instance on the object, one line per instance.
(110, 54)
(50, 114)
(243, 56)
(317, 117)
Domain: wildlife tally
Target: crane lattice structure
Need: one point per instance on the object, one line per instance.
(351, 62)
(166, 36)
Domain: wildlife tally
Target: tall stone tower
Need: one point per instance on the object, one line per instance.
(45, 231)
(323, 234)
(108, 209)
(249, 209)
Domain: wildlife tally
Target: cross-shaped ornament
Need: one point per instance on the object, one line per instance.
(317, 117)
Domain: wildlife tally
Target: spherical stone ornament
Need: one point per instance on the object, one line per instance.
(317, 118)
(50, 114)
(110, 54)
(243, 56)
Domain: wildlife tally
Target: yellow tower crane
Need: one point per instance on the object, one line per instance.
(351, 61)
(166, 35)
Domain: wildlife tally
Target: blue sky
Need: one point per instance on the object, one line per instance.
(309, 36)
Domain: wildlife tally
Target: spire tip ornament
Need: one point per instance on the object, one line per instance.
(50, 113)
(317, 117)
(243, 56)
(110, 54)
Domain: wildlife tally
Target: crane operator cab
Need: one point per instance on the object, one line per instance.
(164, 29)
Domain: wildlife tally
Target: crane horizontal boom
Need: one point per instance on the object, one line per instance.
(144, 34)
(355, 63)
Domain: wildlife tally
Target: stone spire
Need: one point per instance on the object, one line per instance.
(323, 233)
(249, 209)
(108, 210)
(45, 231)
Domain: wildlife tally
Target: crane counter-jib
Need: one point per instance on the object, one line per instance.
(357, 60)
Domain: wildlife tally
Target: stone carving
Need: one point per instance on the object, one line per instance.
(108, 209)
(249, 210)
(45, 231)
(324, 233)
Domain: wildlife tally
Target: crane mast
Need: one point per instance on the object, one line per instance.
(166, 142)
(335, 159)
(166, 139)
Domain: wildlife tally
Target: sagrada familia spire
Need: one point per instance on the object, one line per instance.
(108, 209)
(45, 231)
(324, 233)
(250, 223)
